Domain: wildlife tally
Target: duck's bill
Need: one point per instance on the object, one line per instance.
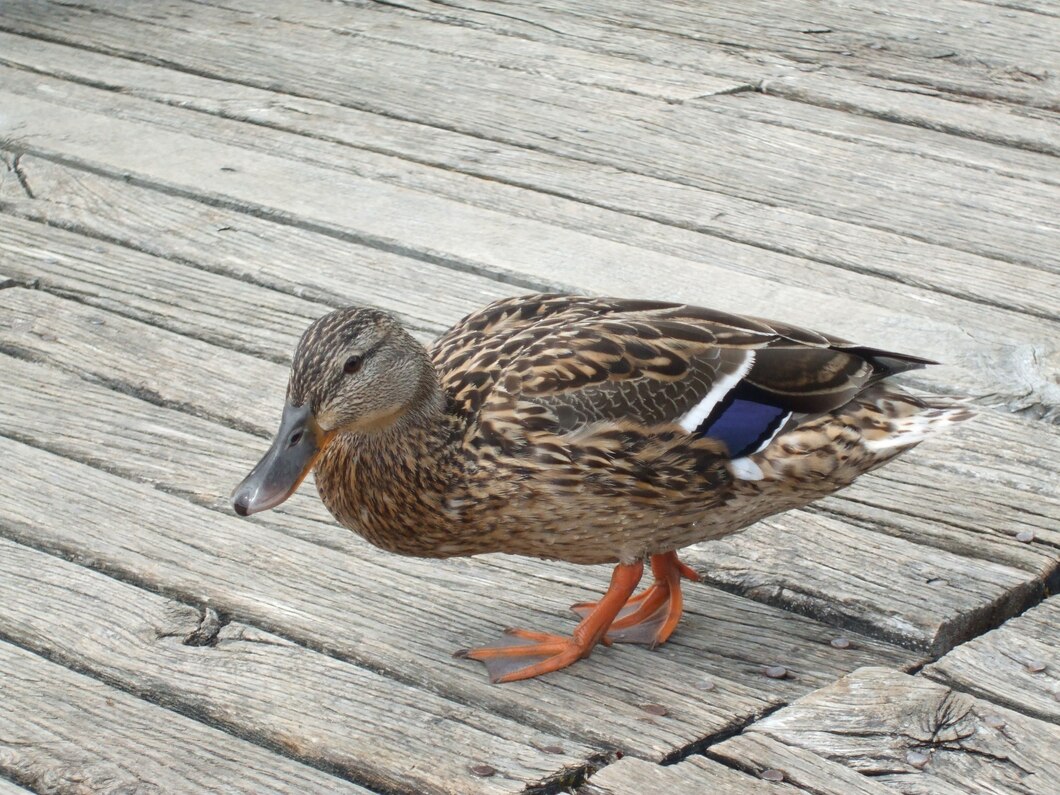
(278, 474)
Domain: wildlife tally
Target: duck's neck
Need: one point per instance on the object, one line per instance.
(391, 485)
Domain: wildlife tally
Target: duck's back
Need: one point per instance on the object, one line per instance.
(671, 416)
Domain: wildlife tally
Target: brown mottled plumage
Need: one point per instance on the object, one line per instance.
(590, 430)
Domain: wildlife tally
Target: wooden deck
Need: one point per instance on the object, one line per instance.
(185, 185)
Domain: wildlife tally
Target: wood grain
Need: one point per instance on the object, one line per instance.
(889, 100)
(318, 272)
(1017, 665)
(534, 254)
(66, 733)
(755, 752)
(734, 98)
(969, 50)
(911, 733)
(163, 292)
(964, 593)
(631, 776)
(863, 254)
(259, 686)
(942, 599)
(640, 134)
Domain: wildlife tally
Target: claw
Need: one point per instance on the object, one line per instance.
(523, 654)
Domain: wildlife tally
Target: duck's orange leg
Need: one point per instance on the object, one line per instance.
(651, 616)
(526, 654)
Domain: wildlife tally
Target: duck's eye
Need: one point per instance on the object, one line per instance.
(353, 365)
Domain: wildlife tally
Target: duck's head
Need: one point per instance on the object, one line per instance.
(355, 370)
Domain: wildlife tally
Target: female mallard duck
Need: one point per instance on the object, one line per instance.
(591, 430)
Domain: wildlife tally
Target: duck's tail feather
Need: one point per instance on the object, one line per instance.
(902, 420)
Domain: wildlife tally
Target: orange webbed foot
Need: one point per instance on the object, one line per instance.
(523, 654)
(651, 616)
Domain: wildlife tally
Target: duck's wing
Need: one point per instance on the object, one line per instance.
(738, 380)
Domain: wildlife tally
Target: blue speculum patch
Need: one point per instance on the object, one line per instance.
(742, 424)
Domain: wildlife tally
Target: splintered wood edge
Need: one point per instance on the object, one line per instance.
(261, 686)
(883, 723)
(1016, 665)
(693, 776)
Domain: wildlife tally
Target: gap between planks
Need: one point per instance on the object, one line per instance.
(576, 145)
(193, 372)
(319, 710)
(66, 732)
(256, 251)
(531, 254)
(770, 229)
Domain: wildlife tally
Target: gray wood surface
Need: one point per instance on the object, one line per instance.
(67, 733)
(756, 752)
(286, 595)
(695, 775)
(486, 46)
(184, 185)
(253, 683)
(861, 252)
(1010, 62)
(943, 598)
(898, 728)
(707, 206)
(527, 252)
(834, 243)
(1016, 665)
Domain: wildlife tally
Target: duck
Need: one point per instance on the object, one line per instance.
(582, 429)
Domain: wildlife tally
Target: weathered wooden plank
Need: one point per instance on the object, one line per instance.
(488, 47)
(775, 108)
(181, 454)
(600, 29)
(257, 685)
(974, 519)
(913, 734)
(67, 733)
(756, 752)
(639, 134)
(864, 254)
(334, 602)
(973, 590)
(557, 61)
(257, 252)
(921, 106)
(484, 47)
(727, 649)
(532, 252)
(173, 451)
(160, 291)
(695, 775)
(915, 596)
(1016, 665)
(963, 48)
